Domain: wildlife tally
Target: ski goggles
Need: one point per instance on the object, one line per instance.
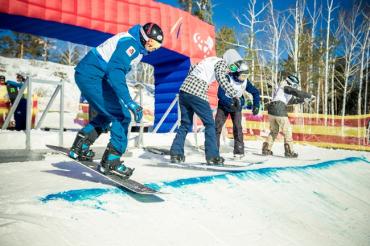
(233, 68)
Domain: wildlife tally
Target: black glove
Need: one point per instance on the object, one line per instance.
(255, 110)
(236, 104)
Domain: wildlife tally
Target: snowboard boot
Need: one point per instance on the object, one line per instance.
(80, 149)
(216, 161)
(288, 152)
(265, 150)
(177, 158)
(111, 164)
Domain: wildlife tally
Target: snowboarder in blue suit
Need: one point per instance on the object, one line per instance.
(101, 77)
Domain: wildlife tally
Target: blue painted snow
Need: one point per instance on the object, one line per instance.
(262, 172)
(79, 195)
(267, 172)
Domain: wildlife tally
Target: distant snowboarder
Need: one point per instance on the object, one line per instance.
(101, 77)
(238, 78)
(286, 93)
(20, 114)
(14, 86)
(193, 99)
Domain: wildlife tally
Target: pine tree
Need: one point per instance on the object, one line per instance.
(225, 39)
(71, 55)
(187, 5)
(204, 11)
(21, 45)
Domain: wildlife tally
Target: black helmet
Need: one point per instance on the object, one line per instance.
(21, 77)
(2, 77)
(151, 30)
(292, 80)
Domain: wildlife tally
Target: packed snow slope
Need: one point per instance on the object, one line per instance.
(320, 199)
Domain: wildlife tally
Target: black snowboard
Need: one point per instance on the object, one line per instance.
(156, 150)
(204, 167)
(128, 184)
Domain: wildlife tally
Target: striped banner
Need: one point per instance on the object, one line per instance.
(82, 117)
(311, 129)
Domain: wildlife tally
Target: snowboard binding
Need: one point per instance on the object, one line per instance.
(80, 149)
(112, 165)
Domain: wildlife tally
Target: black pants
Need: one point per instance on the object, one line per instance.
(236, 118)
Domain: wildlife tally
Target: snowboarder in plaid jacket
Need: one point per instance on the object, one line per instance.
(193, 99)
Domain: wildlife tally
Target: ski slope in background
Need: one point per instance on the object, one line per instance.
(280, 202)
(56, 72)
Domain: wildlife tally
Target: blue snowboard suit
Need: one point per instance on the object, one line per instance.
(101, 77)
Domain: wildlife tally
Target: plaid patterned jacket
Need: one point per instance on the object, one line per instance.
(198, 87)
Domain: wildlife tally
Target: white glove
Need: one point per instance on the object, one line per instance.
(310, 99)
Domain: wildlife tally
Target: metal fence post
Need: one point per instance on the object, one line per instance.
(57, 89)
(177, 124)
(61, 114)
(29, 114)
(141, 131)
(166, 113)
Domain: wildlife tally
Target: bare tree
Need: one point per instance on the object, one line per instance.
(48, 45)
(364, 43)
(331, 8)
(314, 17)
(350, 36)
(70, 56)
(277, 24)
(367, 77)
(251, 20)
(332, 90)
(293, 41)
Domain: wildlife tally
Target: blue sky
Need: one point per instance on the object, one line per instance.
(224, 9)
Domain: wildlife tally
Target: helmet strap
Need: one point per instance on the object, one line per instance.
(143, 34)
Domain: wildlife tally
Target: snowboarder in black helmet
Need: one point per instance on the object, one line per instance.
(151, 36)
(286, 93)
(101, 77)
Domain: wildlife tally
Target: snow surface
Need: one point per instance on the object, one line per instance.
(320, 199)
(280, 202)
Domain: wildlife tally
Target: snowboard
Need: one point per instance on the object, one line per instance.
(156, 150)
(128, 184)
(204, 167)
(283, 157)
